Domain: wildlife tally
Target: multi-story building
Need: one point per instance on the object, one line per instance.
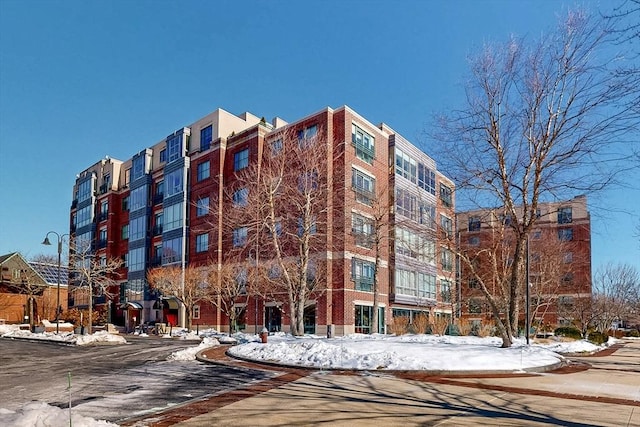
(157, 209)
(559, 258)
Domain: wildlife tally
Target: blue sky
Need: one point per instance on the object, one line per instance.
(80, 80)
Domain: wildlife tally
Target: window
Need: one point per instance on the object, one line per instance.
(564, 215)
(406, 166)
(136, 259)
(567, 279)
(172, 216)
(104, 209)
(276, 147)
(127, 177)
(474, 241)
(195, 314)
(174, 182)
(363, 143)
(447, 225)
(426, 179)
(475, 306)
(362, 273)
(415, 245)
(364, 186)
(241, 281)
(240, 236)
(202, 242)
(474, 283)
(565, 302)
(163, 155)
(308, 182)
(124, 232)
(306, 136)
(445, 290)
(158, 254)
(241, 197)
(157, 229)
(241, 159)
(125, 203)
(137, 228)
(311, 229)
(363, 230)
(174, 148)
(446, 195)
(568, 258)
(202, 206)
(172, 251)
(565, 234)
(406, 204)
(446, 259)
(138, 198)
(426, 286)
(137, 167)
(363, 316)
(474, 223)
(206, 136)
(415, 284)
(427, 215)
(84, 216)
(85, 190)
(159, 191)
(537, 234)
(203, 170)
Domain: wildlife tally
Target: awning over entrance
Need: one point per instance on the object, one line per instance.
(132, 304)
(171, 303)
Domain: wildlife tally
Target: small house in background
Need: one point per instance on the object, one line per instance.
(28, 291)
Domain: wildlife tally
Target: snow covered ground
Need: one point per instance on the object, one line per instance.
(357, 351)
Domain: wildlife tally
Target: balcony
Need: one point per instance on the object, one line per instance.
(157, 230)
(102, 216)
(363, 195)
(101, 244)
(158, 198)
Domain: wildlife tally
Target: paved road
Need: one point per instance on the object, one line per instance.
(112, 382)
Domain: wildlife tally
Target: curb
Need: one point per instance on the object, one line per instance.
(435, 373)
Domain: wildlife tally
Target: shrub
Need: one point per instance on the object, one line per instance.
(400, 325)
(598, 337)
(420, 323)
(569, 332)
(634, 333)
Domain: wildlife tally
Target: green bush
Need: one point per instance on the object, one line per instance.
(633, 333)
(569, 332)
(598, 337)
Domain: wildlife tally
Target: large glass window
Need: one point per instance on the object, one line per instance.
(364, 144)
(203, 170)
(446, 224)
(172, 251)
(446, 259)
(426, 179)
(202, 242)
(84, 216)
(174, 148)
(206, 136)
(364, 186)
(85, 190)
(427, 215)
(414, 245)
(138, 198)
(172, 217)
(406, 204)
(474, 223)
(174, 182)
(362, 273)
(136, 259)
(137, 168)
(415, 284)
(241, 159)
(445, 290)
(137, 228)
(406, 166)
(202, 206)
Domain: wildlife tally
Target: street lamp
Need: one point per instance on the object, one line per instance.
(48, 243)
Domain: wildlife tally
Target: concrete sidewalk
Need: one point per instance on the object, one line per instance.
(596, 391)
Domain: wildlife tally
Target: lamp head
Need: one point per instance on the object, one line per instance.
(46, 241)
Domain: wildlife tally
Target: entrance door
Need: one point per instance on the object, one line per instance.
(310, 319)
(273, 319)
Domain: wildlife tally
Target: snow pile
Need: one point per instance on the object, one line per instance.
(190, 353)
(407, 352)
(42, 415)
(100, 337)
(5, 329)
(66, 337)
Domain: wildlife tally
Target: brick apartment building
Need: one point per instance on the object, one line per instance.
(154, 209)
(559, 261)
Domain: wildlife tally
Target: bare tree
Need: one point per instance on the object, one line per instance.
(92, 275)
(188, 286)
(541, 122)
(228, 286)
(284, 203)
(616, 294)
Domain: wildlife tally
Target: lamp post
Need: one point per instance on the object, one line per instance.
(527, 297)
(48, 243)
